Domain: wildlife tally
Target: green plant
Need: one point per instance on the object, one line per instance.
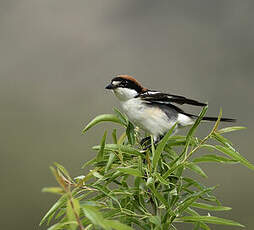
(128, 188)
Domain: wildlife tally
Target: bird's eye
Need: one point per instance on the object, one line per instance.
(124, 83)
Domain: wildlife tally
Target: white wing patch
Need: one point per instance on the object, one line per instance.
(163, 98)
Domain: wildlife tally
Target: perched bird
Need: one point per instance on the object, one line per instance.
(153, 111)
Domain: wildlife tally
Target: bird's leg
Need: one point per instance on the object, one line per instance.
(156, 141)
(144, 140)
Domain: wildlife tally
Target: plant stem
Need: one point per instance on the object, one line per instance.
(68, 191)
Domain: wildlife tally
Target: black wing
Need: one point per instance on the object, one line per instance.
(157, 97)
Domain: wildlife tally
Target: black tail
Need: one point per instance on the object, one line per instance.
(215, 118)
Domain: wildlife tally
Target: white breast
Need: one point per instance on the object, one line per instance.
(124, 94)
(148, 118)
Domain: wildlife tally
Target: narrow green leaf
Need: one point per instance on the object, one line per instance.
(161, 179)
(209, 220)
(191, 211)
(57, 190)
(121, 139)
(189, 137)
(179, 171)
(96, 174)
(204, 226)
(114, 137)
(102, 118)
(190, 199)
(196, 169)
(122, 117)
(61, 201)
(62, 225)
(117, 225)
(216, 125)
(230, 129)
(63, 170)
(172, 169)
(213, 158)
(197, 122)
(111, 213)
(130, 171)
(176, 140)
(107, 192)
(113, 177)
(192, 182)
(60, 214)
(122, 148)
(159, 196)
(90, 162)
(210, 207)
(101, 151)
(140, 165)
(155, 220)
(140, 224)
(161, 147)
(199, 224)
(222, 139)
(130, 133)
(58, 176)
(208, 147)
(89, 227)
(235, 155)
(95, 216)
(110, 161)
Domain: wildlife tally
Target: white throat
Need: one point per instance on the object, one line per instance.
(125, 94)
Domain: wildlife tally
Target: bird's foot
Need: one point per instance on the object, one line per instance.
(144, 140)
(146, 143)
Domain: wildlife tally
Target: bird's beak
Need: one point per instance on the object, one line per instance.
(110, 86)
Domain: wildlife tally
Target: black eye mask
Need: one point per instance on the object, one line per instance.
(125, 83)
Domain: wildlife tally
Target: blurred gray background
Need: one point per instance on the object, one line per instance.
(56, 56)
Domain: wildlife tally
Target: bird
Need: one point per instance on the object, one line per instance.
(153, 111)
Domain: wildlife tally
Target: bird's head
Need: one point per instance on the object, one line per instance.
(125, 87)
